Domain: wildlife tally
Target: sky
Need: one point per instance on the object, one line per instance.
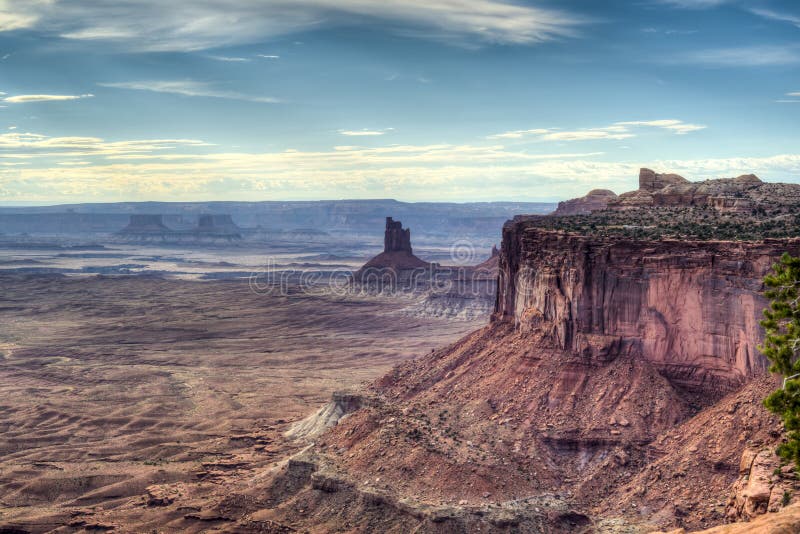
(417, 100)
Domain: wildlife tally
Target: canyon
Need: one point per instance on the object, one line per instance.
(616, 387)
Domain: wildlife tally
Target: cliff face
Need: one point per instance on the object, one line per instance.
(691, 309)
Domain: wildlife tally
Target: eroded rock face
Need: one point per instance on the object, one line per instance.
(652, 181)
(690, 308)
(597, 199)
(396, 238)
(726, 195)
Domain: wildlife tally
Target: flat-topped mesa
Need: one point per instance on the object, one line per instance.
(218, 226)
(152, 228)
(396, 238)
(144, 225)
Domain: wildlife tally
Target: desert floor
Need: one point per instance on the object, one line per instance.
(110, 385)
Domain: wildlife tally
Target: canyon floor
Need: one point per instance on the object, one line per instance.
(113, 385)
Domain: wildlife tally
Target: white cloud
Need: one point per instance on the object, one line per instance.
(191, 25)
(774, 15)
(616, 131)
(23, 99)
(365, 132)
(268, 56)
(797, 93)
(189, 88)
(749, 56)
(83, 168)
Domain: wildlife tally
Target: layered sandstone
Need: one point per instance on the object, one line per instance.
(692, 309)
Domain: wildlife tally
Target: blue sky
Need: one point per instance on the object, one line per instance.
(455, 100)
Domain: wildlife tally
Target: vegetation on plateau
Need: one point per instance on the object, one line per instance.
(684, 222)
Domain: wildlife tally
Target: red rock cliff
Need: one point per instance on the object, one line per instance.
(690, 308)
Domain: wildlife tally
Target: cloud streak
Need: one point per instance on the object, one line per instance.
(24, 99)
(188, 88)
(365, 132)
(616, 131)
(747, 56)
(185, 25)
(776, 16)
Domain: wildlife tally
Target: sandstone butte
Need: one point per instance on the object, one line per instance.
(617, 388)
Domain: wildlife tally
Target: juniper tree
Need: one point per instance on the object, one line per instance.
(782, 348)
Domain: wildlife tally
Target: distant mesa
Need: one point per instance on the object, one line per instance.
(152, 228)
(145, 225)
(217, 225)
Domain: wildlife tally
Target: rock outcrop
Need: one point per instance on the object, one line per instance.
(764, 485)
(652, 181)
(726, 195)
(595, 200)
(464, 292)
(396, 238)
(397, 254)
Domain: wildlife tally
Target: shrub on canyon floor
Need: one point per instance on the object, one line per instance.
(782, 348)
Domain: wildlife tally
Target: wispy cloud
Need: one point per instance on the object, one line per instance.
(695, 4)
(191, 25)
(748, 56)
(230, 59)
(23, 99)
(268, 56)
(777, 16)
(36, 145)
(365, 132)
(673, 125)
(616, 131)
(189, 88)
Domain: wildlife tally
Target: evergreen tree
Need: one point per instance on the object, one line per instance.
(782, 348)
